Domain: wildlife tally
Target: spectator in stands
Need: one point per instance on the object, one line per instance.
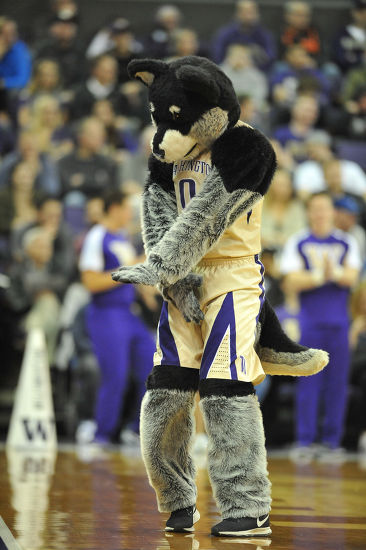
(17, 200)
(15, 61)
(321, 265)
(47, 177)
(125, 47)
(252, 114)
(121, 134)
(310, 175)
(284, 157)
(350, 43)
(304, 115)
(47, 123)
(134, 104)
(85, 169)
(335, 181)
(135, 167)
(121, 342)
(160, 42)
(354, 80)
(103, 41)
(248, 31)
(299, 29)
(102, 84)
(297, 74)
(186, 42)
(63, 45)
(49, 217)
(45, 80)
(54, 8)
(85, 173)
(347, 213)
(358, 357)
(246, 78)
(7, 134)
(283, 213)
(38, 283)
(353, 124)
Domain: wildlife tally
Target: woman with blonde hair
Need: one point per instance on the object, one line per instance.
(47, 122)
(46, 79)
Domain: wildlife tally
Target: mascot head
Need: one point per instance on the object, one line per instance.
(192, 103)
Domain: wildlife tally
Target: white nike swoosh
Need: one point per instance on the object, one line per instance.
(260, 523)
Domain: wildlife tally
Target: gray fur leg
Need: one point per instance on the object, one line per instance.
(237, 459)
(166, 430)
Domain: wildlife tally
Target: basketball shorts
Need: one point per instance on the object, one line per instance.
(222, 346)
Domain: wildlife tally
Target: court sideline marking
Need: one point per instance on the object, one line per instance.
(7, 541)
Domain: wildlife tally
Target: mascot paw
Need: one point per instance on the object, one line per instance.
(182, 293)
(166, 272)
(190, 309)
(141, 274)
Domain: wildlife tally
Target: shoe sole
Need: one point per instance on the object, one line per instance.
(196, 517)
(257, 532)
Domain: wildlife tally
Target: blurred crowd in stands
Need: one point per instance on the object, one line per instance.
(74, 127)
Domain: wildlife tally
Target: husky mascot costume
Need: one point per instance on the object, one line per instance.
(217, 334)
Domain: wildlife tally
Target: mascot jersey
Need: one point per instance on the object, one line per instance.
(242, 238)
(223, 346)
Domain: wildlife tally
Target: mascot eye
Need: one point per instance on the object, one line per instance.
(175, 110)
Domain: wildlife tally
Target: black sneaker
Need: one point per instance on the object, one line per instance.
(182, 520)
(242, 527)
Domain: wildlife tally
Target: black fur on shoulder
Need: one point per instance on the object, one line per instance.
(160, 173)
(224, 388)
(252, 159)
(170, 377)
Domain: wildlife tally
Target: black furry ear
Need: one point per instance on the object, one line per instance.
(146, 69)
(200, 81)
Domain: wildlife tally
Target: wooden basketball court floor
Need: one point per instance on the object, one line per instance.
(74, 500)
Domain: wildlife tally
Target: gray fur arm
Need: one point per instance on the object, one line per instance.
(198, 227)
(159, 212)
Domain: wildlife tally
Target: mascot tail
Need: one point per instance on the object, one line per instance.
(279, 354)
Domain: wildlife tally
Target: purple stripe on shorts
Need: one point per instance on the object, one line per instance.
(224, 319)
(166, 340)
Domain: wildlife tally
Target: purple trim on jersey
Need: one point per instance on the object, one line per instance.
(121, 295)
(224, 319)
(299, 249)
(261, 286)
(181, 191)
(166, 340)
(341, 261)
(192, 190)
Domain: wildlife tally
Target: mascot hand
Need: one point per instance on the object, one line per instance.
(167, 271)
(182, 294)
(141, 274)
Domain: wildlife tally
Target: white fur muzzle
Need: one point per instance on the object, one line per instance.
(176, 147)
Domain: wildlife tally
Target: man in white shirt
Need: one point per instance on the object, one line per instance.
(311, 176)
